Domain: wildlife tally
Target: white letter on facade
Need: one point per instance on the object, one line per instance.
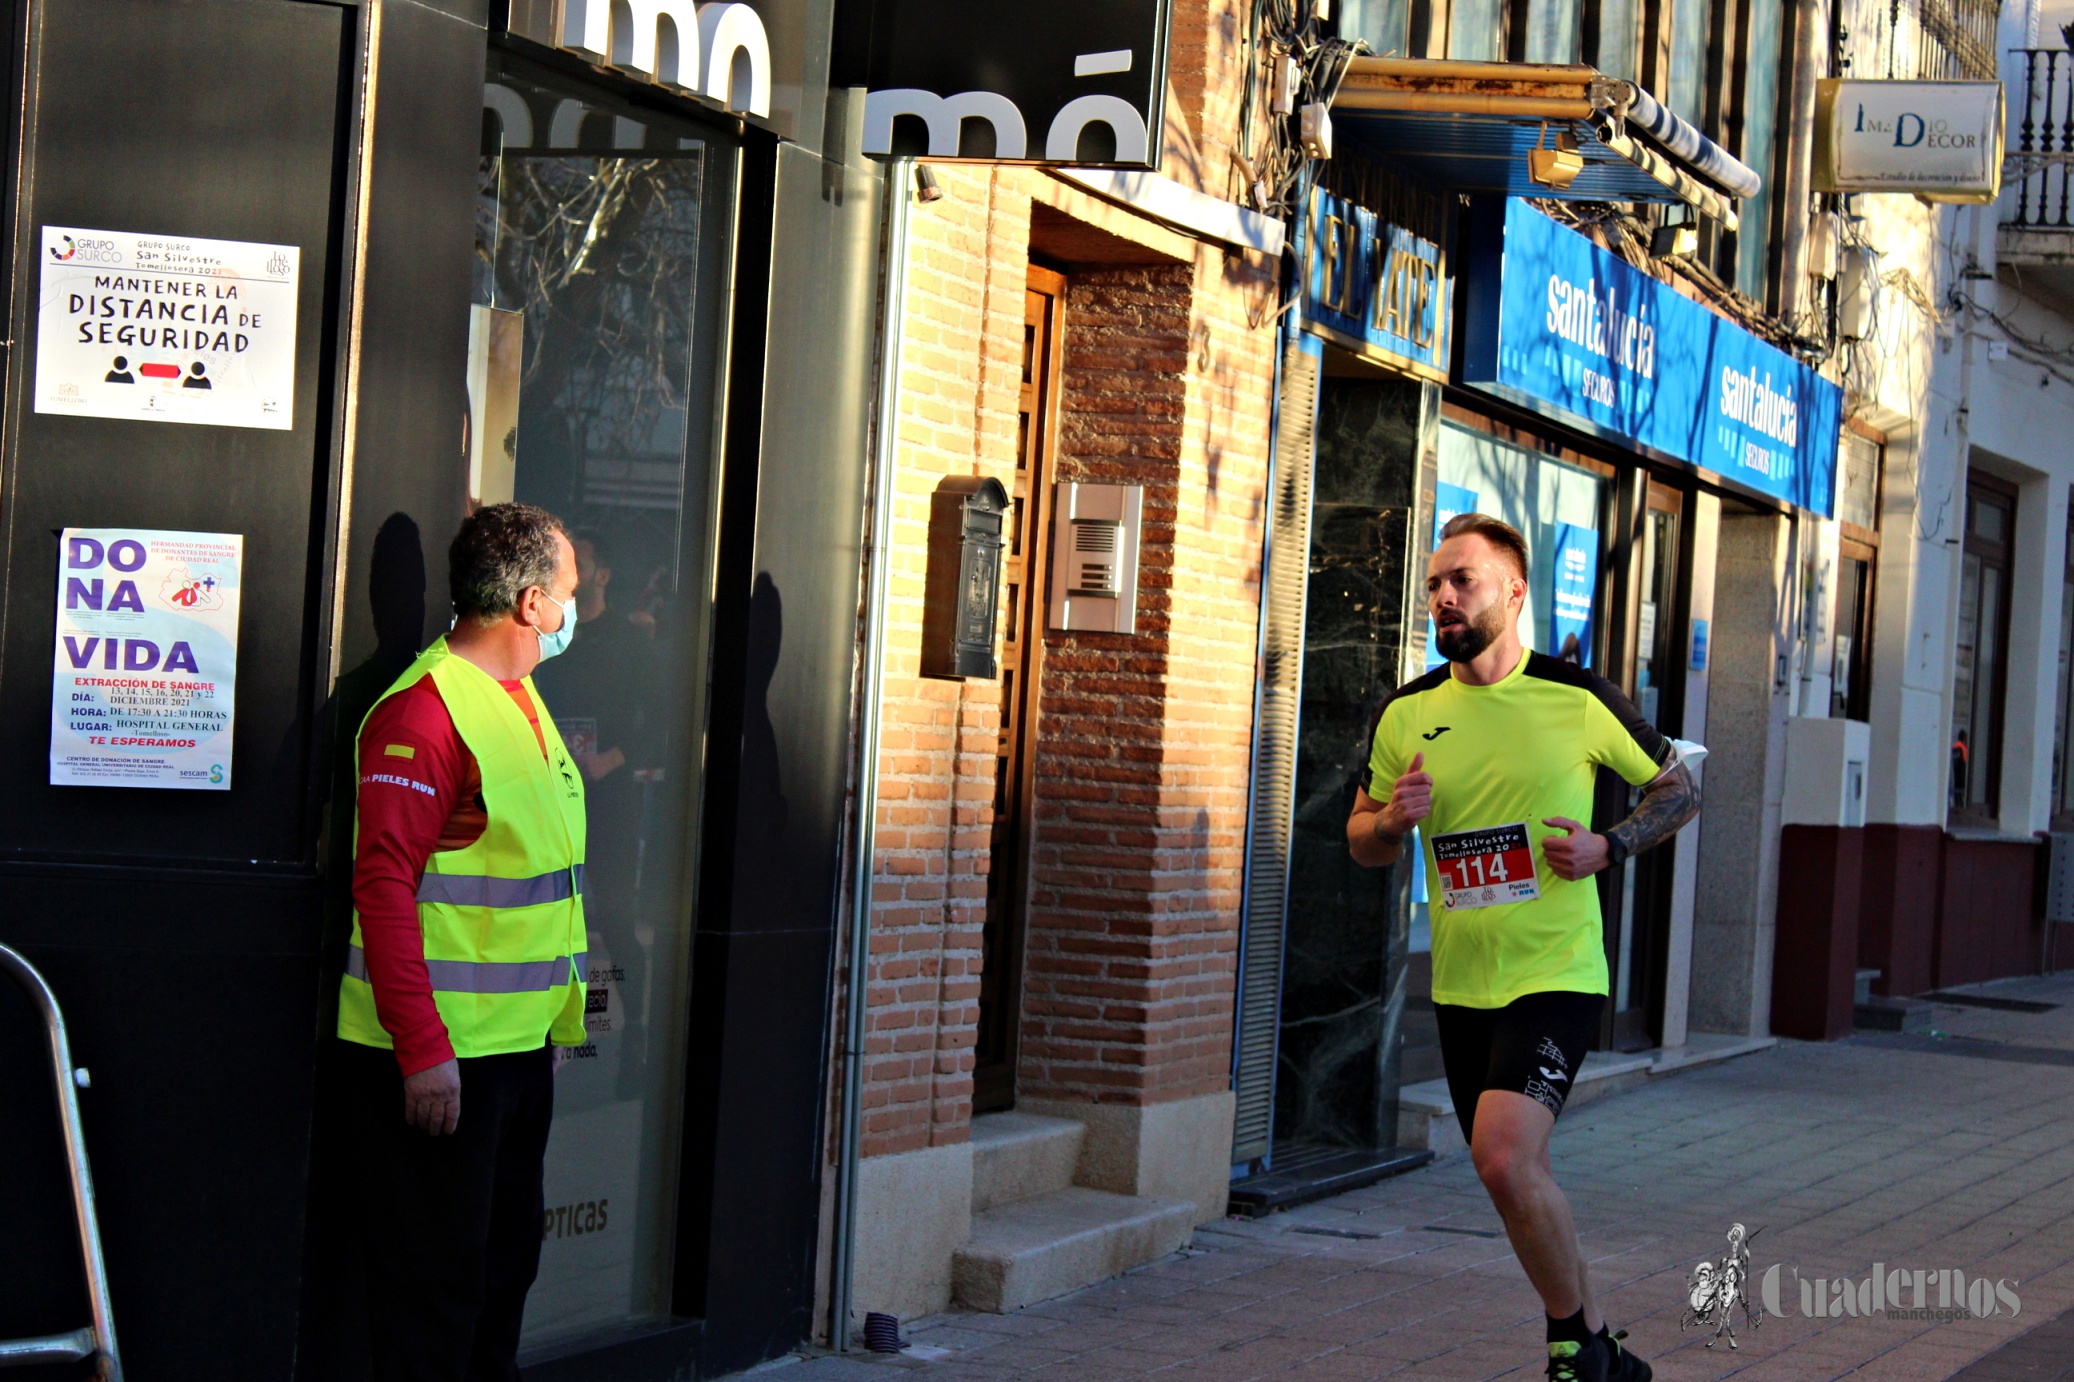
(945, 119)
(660, 42)
(738, 58)
(513, 114)
(1133, 140)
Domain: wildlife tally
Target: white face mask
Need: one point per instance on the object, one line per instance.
(557, 642)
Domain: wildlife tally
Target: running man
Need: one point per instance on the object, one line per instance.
(1495, 754)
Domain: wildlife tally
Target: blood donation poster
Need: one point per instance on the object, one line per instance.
(144, 683)
(166, 328)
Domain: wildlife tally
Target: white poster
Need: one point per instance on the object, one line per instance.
(166, 328)
(144, 686)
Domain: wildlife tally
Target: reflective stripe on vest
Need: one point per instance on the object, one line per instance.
(485, 890)
(486, 976)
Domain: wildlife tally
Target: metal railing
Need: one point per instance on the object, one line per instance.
(97, 1340)
(1921, 40)
(2036, 189)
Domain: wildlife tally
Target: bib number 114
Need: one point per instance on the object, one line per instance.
(1486, 868)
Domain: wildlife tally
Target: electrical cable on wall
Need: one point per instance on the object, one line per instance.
(1270, 150)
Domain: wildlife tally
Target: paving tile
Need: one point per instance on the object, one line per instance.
(1843, 1154)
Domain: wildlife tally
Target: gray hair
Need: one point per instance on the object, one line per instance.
(501, 552)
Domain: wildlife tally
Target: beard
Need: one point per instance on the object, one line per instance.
(1463, 642)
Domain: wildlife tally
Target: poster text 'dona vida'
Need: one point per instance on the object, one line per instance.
(166, 328)
(145, 658)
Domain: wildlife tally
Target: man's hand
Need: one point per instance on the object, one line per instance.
(432, 1098)
(1576, 853)
(1411, 800)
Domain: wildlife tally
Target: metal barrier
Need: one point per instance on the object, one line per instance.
(96, 1341)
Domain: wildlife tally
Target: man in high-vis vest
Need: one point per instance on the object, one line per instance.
(466, 965)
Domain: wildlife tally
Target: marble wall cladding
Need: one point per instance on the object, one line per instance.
(1336, 1082)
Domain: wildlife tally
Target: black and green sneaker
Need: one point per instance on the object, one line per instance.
(1625, 1366)
(1570, 1361)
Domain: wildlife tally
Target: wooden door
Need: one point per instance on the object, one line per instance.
(1024, 595)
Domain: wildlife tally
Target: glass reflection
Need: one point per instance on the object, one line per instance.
(590, 358)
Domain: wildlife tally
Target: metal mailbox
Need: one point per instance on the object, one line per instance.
(962, 593)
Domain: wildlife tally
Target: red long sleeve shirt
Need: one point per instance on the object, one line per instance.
(420, 791)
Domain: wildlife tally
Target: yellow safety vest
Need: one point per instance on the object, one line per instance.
(503, 917)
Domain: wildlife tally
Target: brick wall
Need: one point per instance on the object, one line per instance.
(1143, 741)
(967, 261)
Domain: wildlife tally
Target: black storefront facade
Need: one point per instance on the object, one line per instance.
(518, 275)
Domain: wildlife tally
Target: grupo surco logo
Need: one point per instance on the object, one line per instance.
(85, 249)
(1718, 1288)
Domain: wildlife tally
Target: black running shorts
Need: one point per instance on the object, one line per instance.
(1532, 1046)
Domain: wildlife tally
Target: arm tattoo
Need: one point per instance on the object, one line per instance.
(1666, 805)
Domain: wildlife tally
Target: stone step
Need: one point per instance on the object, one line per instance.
(1878, 1014)
(1019, 1156)
(1862, 989)
(1426, 1112)
(1035, 1249)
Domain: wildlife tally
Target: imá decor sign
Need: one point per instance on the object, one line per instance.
(1075, 82)
(1940, 140)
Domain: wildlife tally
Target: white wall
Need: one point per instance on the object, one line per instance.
(2020, 421)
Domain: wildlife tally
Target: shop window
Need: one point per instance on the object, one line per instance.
(1859, 461)
(1686, 91)
(1545, 31)
(1980, 664)
(1761, 63)
(1556, 506)
(1476, 30)
(1617, 39)
(1384, 25)
(1515, 30)
(594, 333)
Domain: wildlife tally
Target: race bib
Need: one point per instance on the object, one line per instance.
(1484, 868)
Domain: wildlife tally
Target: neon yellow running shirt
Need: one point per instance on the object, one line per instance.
(1514, 753)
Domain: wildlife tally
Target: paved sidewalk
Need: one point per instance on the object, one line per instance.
(1929, 1153)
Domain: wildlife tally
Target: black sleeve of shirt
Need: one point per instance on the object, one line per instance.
(1612, 697)
(1427, 682)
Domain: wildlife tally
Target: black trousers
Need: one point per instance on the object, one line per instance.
(450, 1225)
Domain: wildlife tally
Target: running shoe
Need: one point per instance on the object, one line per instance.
(1625, 1367)
(1569, 1361)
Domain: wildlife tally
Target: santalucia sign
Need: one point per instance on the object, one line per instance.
(1561, 326)
(1941, 141)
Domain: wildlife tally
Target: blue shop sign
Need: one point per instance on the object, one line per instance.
(1559, 325)
(1376, 288)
